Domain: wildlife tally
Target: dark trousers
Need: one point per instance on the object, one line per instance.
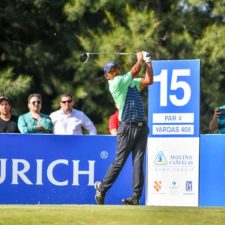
(130, 138)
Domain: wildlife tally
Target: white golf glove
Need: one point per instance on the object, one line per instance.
(146, 57)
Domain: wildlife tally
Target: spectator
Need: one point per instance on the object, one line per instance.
(133, 131)
(218, 121)
(68, 120)
(114, 123)
(8, 122)
(34, 121)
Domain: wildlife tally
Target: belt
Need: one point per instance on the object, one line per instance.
(133, 123)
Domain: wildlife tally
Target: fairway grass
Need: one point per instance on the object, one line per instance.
(109, 215)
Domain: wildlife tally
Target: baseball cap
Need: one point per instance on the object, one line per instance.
(109, 65)
(4, 98)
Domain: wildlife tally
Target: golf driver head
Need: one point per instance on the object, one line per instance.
(84, 57)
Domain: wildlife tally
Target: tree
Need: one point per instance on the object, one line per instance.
(35, 39)
(43, 39)
(12, 87)
(211, 51)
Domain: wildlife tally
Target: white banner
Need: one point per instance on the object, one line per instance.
(172, 171)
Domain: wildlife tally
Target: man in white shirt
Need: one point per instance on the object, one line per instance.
(68, 120)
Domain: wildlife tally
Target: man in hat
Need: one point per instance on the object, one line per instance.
(8, 122)
(133, 131)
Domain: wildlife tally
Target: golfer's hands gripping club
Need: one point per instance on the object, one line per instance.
(146, 57)
(139, 56)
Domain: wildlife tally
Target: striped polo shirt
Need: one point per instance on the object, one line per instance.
(134, 107)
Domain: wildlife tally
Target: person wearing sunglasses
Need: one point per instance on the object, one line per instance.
(68, 120)
(34, 121)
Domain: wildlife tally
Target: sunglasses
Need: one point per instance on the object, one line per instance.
(38, 102)
(68, 101)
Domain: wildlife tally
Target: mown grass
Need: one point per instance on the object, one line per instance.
(109, 215)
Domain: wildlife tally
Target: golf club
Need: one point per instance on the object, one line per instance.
(85, 56)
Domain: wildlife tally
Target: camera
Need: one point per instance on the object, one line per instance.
(222, 112)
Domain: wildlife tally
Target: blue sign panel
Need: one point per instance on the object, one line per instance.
(58, 169)
(174, 99)
(212, 170)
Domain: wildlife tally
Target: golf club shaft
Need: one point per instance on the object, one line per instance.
(85, 56)
(110, 53)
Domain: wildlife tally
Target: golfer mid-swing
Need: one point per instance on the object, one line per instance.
(133, 131)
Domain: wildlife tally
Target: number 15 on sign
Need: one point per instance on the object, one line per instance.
(175, 94)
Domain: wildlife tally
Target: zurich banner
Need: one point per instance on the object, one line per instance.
(173, 144)
(58, 169)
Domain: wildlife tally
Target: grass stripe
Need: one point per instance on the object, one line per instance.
(109, 215)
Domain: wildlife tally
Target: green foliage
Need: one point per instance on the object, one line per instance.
(11, 87)
(43, 39)
(219, 9)
(211, 51)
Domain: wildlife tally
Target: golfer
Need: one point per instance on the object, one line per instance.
(133, 131)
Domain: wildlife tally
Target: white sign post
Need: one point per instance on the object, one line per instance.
(173, 144)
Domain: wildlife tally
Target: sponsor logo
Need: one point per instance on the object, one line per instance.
(157, 185)
(173, 162)
(160, 159)
(42, 172)
(188, 186)
(173, 187)
(174, 183)
(104, 154)
(181, 160)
